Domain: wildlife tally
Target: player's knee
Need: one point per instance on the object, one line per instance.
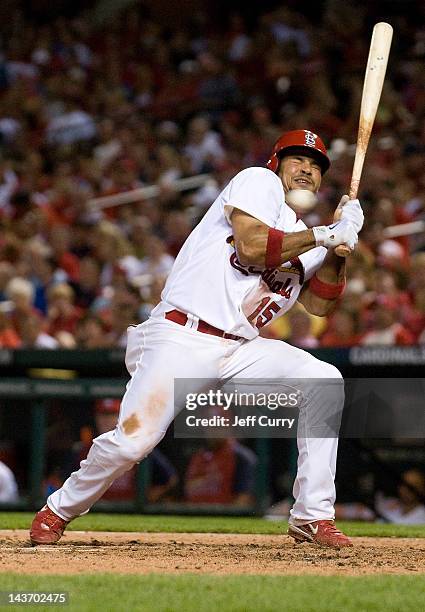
(327, 370)
(315, 368)
(132, 454)
(135, 449)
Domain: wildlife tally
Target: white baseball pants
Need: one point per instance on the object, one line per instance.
(159, 351)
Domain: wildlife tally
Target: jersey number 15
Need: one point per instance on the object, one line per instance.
(264, 313)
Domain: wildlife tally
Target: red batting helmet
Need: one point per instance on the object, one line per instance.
(303, 142)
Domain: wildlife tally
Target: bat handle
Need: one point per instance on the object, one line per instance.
(342, 250)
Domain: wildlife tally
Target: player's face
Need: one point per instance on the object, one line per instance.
(300, 172)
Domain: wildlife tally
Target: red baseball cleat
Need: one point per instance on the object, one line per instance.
(47, 527)
(323, 533)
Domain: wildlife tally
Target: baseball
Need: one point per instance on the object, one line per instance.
(301, 200)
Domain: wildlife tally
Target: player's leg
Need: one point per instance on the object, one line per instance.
(168, 351)
(314, 488)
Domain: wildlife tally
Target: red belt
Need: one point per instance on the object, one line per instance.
(203, 327)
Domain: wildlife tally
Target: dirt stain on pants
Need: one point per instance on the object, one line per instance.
(152, 414)
(131, 424)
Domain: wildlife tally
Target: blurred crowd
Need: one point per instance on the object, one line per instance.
(91, 110)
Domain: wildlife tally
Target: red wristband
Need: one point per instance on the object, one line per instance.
(327, 291)
(274, 248)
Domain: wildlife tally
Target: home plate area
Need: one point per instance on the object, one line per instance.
(206, 553)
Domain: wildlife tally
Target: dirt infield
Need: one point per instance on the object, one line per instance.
(206, 553)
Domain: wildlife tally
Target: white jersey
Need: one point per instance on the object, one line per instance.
(207, 279)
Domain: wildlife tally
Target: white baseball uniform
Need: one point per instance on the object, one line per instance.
(209, 285)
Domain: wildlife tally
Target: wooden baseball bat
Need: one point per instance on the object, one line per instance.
(372, 87)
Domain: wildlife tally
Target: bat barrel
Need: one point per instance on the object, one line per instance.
(373, 83)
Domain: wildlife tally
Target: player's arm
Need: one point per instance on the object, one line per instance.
(257, 244)
(251, 237)
(321, 294)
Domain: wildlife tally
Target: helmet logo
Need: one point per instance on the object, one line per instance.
(310, 138)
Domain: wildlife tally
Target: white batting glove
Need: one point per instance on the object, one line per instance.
(350, 210)
(331, 236)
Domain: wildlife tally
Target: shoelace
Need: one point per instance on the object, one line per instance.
(52, 521)
(330, 528)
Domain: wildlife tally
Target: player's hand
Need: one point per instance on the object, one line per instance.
(350, 210)
(331, 236)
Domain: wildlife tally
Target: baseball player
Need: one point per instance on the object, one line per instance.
(246, 263)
